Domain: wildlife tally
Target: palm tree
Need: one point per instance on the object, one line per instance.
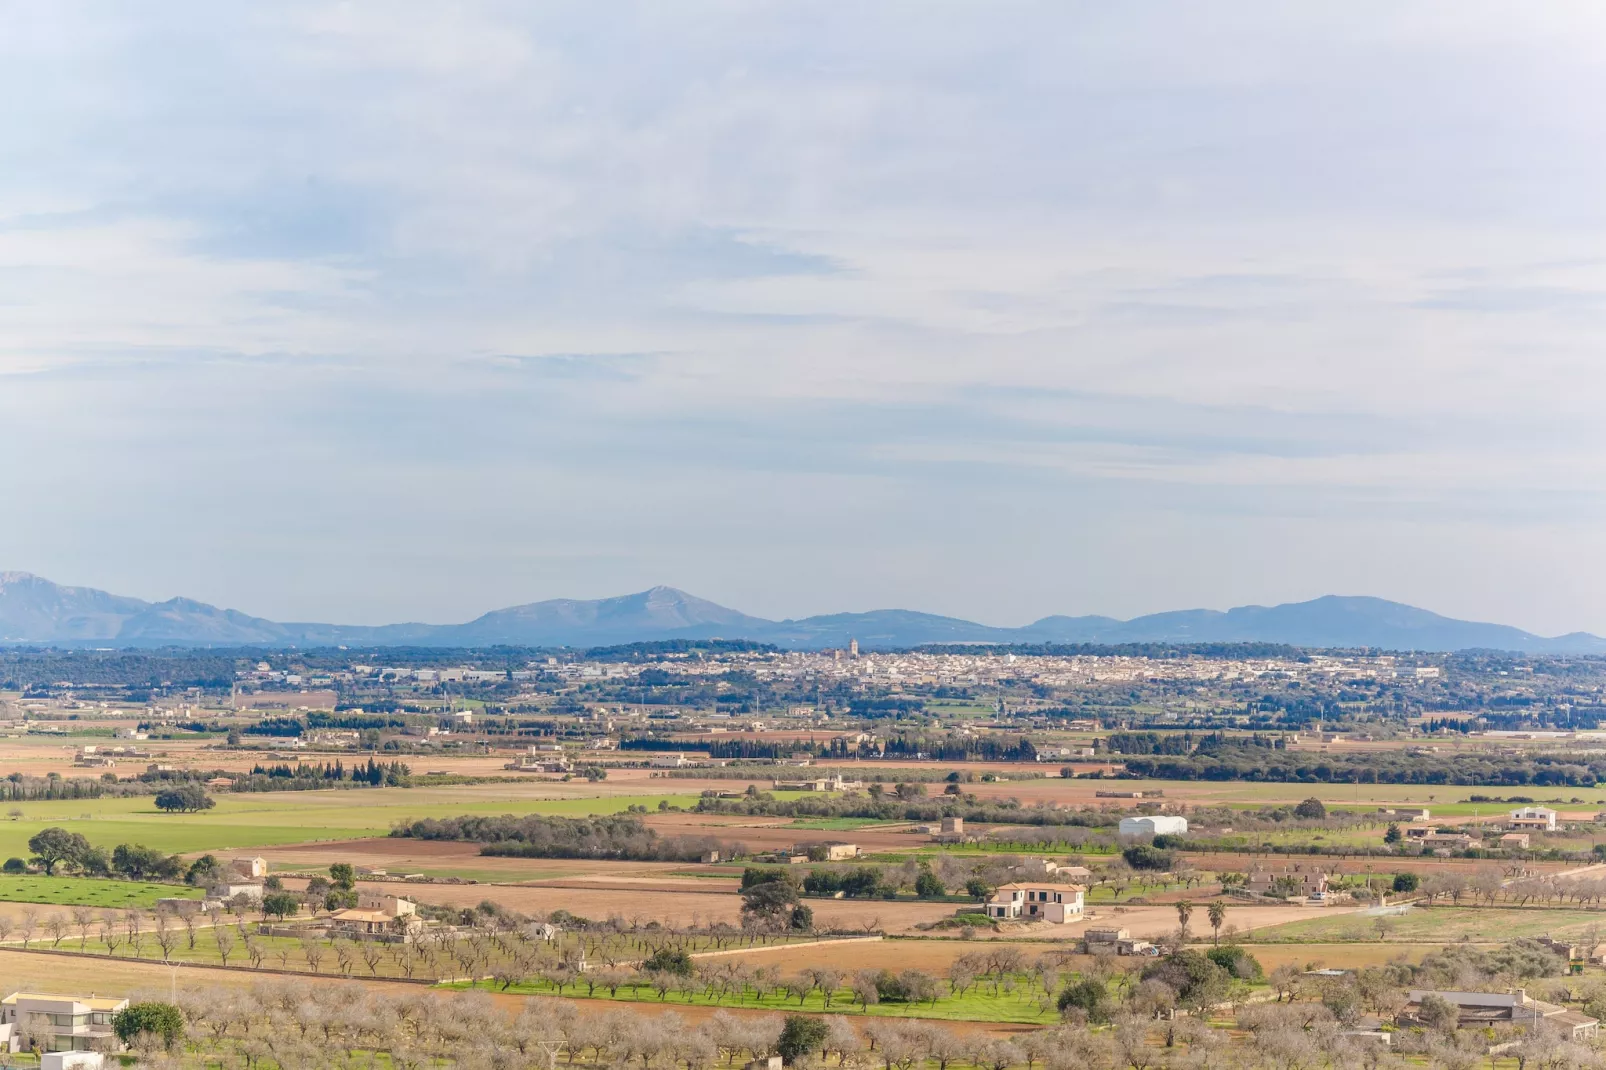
(1184, 912)
(1217, 912)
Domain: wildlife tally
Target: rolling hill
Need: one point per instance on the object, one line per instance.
(36, 611)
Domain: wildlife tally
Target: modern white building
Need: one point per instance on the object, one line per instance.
(674, 760)
(59, 1023)
(1153, 825)
(1533, 817)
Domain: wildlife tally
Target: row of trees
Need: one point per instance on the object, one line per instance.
(623, 836)
(56, 848)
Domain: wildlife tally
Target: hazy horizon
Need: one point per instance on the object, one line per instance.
(371, 313)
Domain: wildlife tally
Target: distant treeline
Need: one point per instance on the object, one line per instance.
(649, 651)
(721, 748)
(303, 777)
(870, 774)
(949, 748)
(1237, 762)
(40, 670)
(1184, 742)
(621, 836)
(20, 788)
(914, 807)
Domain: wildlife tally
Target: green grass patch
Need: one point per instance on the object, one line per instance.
(89, 892)
(834, 824)
(269, 819)
(1025, 1005)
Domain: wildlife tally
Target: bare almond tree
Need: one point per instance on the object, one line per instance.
(134, 929)
(313, 952)
(109, 933)
(84, 918)
(187, 915)
(225, 942)
(166, 937)
(57, 925)
(343, 956)
(28, 926)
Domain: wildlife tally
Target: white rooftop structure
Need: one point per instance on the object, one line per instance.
(1153, 825)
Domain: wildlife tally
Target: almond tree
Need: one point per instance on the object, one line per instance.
(371, 952)
(84, 918)
(56, 925)
(225, 942)
(165, 936)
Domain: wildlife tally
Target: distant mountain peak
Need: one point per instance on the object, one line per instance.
(35, 610)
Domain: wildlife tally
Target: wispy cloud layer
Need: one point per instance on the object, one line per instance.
(370, 311)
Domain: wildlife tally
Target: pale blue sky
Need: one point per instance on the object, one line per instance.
(367, 312)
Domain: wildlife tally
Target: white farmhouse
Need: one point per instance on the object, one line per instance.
(1533, 817)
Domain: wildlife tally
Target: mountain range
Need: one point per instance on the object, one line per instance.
(35, 611)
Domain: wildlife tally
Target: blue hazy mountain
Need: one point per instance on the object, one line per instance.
(38, 612)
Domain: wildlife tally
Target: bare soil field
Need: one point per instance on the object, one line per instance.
(651, 902)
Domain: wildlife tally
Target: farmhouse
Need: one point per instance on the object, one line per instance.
(1105, 935)
(1483, 1009)
(377, 915)
(249, 868)
(1058, 903)
(1533, 817)
(668, 761)
(829, 852)
(1515, 841)
(1287, 881)
(73, 1023)
(537, 763)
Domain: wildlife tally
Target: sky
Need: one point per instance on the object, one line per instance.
(366, 312)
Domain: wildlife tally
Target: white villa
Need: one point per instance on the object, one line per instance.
(1058, 903)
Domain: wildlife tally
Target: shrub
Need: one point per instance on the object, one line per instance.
(1312, 809)
(184, 800)
(16, 865)
(801, 1035)
(1406, 882)
(1145, 856)
(674, 960)
(1236, 961)
(281, 904)
(159, 1020)
(1089, 996)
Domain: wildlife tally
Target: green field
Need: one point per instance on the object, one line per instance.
(1023, 1006)
(89, 892)
(834, 824)
(270, 819)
